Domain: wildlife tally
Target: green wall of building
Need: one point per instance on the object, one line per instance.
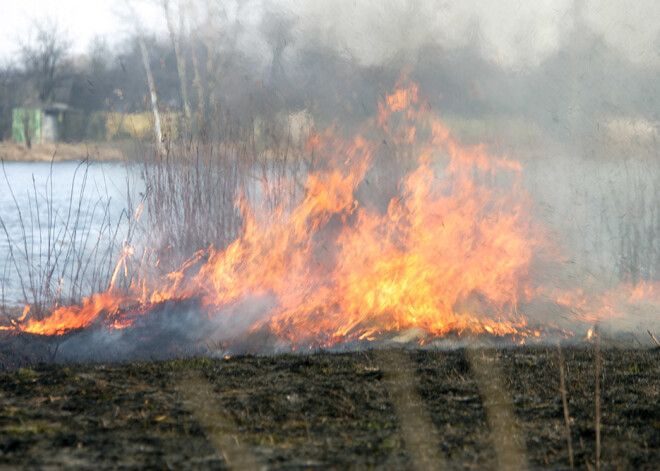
(23, 116)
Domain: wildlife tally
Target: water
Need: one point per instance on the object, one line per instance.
(68, 221)
(61, 221)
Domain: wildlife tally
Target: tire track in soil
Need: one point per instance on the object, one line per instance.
(202, 401)
(505, 433)
(418, 432)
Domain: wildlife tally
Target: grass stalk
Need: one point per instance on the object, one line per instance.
(597, 399)
(564, 401)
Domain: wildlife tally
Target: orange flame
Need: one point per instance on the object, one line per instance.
(451, 253)
(64, 319)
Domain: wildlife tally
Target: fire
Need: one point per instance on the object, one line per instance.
(66, 318)
(593, 306)
(26, 311)
(450, 253)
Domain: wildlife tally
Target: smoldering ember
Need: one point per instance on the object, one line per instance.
(421, 256)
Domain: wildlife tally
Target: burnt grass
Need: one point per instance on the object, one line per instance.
(327, 410)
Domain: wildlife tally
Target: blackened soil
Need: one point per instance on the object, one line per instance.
(329, 410)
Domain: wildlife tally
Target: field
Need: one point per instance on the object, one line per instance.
(371, 409)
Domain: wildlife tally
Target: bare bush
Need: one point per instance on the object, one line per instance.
(59, 255)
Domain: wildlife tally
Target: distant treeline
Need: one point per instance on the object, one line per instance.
(112, 125)
(207, 73)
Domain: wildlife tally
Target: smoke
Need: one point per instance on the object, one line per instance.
(169, 330)
(568, 67)
(511, 34)
(567, 88)
(632, 29)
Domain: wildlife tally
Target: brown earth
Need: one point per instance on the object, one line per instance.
(64, 151)
(391, 409)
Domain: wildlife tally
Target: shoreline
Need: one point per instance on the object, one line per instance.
(69, 151)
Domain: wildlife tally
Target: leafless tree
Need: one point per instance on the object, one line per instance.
(41, 55)
(132, 18)
(176, 37)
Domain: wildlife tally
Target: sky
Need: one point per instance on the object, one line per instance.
(81, 20)
(512, 33)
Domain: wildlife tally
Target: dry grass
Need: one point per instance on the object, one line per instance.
(199, 397)
(189, 200)
(564, 401)
(597, 400)
(506, 436)
(192, 189)
(418, 432)
(62, 151)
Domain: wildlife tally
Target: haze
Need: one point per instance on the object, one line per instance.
(567, 87)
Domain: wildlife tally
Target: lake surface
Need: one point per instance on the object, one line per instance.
(54, 215)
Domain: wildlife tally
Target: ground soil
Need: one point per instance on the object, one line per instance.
(65, 151)
(331, 411)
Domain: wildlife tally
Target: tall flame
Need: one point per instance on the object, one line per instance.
(451, 251)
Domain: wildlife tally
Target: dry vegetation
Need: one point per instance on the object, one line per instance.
(187, 194)
(62, 151)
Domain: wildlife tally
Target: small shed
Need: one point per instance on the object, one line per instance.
(38, 124)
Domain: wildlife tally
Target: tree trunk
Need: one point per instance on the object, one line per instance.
(180, 58)
(210, 65)
(154, 97)
(199, 87)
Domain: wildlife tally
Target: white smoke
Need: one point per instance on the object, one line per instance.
(510, 33)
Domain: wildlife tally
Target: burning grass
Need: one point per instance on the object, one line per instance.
(447, 247)
(406, 234)
(331, 410)
(346, 239)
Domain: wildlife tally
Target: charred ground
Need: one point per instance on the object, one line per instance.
(328, 410)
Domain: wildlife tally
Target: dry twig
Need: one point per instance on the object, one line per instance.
(653, 337)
